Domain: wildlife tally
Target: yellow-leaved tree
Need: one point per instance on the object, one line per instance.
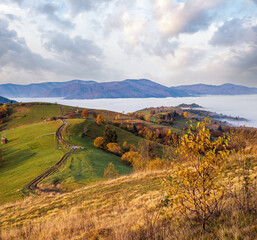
(194, 184)
(99, 119)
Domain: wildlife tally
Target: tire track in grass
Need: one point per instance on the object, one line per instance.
(33, 185)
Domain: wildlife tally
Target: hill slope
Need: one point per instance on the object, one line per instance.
(6, 100)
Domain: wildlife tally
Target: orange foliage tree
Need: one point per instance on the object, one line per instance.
(99, 142)
(71, 115)
(99, 119)
(114, 148)
(84, 113)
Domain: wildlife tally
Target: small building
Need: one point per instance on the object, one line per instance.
(4, 140)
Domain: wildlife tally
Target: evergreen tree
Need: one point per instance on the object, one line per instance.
(110, 136)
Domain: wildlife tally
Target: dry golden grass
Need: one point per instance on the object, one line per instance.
(119, 209)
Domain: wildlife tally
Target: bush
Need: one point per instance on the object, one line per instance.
(99, 142)
(71, 115)
(135, 159)
(114, 148)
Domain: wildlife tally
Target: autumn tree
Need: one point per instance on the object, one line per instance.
(194, 184)
(185, 114)
(125, 146)
(3, 112)
(84, 113)
(71, 115)
(114, 148)
(152, 112)
(99, 119)
(146, 149)
(135, 159)
(110, 171)
(99, 142)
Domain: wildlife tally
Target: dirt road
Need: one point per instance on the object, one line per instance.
(33, 185)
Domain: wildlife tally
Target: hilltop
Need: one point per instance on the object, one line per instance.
(6, 100)
(129, 88)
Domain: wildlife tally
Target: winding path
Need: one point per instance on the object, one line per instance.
(33, 185)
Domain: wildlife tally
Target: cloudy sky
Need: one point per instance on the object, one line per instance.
(172, 42)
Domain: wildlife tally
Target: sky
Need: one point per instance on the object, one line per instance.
(172, 42)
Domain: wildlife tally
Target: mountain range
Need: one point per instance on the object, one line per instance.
(130, 88)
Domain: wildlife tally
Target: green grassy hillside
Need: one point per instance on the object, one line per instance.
(28, 113)
(30, 151)
(77, 126)
(32, 148)
(89, 164)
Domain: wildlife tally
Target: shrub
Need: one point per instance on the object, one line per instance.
(71, 115)
(114, 148)
(99, 142)
(135, 159)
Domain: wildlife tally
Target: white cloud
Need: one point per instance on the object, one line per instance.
(189, 16)
(170, 41)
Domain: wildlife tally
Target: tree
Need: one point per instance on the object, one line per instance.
(125, 146)
(94, 114)
(135, 159)
(110, 136)
(152, 112)
(71, 115)
(84, 113)
(114, 148)
(99, 142)
(194, 184)
(99, 119)
(185, 114)
(146, 149)
(110, 171)
(135, 131)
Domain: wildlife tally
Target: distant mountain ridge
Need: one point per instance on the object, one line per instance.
(224, 89)
(129, 88)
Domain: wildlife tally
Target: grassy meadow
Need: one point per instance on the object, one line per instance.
(30, 151)
(32, 148)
